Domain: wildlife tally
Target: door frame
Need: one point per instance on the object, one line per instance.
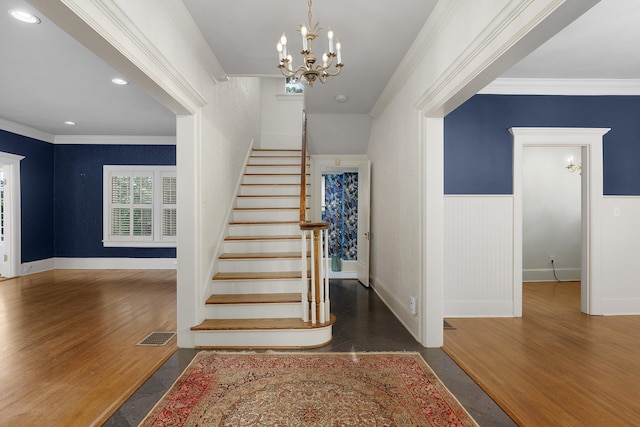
(321, 164)
(590, 140)
(13, 228)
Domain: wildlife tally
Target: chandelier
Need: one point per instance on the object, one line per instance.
(309, 71)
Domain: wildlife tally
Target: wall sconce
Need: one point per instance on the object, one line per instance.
(572, 168)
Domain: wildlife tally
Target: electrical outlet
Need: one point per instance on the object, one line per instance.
(552, 259)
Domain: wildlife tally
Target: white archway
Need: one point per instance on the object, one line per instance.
(590, 139)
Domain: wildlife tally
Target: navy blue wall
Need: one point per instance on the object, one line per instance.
(36, 185)
(478, 147)
(78, 197)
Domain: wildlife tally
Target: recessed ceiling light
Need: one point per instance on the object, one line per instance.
(24, 16)
(341, 98)
(70, 123)
(119, 81)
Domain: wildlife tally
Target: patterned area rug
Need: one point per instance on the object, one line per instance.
(308, 389)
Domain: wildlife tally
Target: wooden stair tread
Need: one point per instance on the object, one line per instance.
(271, 195)
(278, 149)
(294, 208)
(258, 324)
(262, 255)
(273, 185)
(274, 174)
(265, 275)
(253, 298)
(264, 222)
(245, 238)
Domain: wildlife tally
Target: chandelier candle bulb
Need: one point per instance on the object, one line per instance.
(279, 47)
(330, 36)
(303, 32)
(283, 42)
(325, 60)
(339, 49)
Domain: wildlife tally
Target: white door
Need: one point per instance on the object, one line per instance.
(364, 232)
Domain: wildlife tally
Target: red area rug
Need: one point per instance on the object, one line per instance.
(308, 389)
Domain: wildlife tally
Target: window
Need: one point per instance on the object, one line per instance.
(139, 206)
(293, 86)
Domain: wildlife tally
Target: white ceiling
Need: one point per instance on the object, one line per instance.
(46, 77)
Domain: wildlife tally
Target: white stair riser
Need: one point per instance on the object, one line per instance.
(259, 265)
(272, 169)
(264, 230)
(269, 202)
(272, 160)
(252, 311)
(271, 190)
(256, 286)
(272, 179)
(271, 153)
(266, 215)
(261, 246)
(315, 337)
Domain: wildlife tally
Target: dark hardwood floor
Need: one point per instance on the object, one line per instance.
(68, 353)
(555, 366)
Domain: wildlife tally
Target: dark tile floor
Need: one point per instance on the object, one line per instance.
(364, 323)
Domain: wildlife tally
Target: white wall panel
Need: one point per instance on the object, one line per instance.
(621, 255)
(478, 256)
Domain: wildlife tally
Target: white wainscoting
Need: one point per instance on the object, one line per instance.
(621, 255)
(478, 278)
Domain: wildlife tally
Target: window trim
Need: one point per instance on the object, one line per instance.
(156, 240)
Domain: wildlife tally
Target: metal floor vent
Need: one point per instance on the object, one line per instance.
(157, 338)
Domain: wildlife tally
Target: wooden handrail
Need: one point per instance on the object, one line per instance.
(303, 170)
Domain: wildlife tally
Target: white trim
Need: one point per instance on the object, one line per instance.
(13, 232)
(114, 140)
(48, 264)
(590, 139)
(594, 87)
(27, 131)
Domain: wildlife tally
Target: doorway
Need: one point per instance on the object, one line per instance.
(349, 217)
(10, 235)
(590, 142)
(552, 214)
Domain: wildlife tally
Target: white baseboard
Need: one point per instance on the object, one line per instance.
(401, 311)
(546, 274)
(98, 264)
(620, 306)
(478, 309)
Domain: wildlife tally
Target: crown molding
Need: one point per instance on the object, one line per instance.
(27, 131)
(585, 87)
(115, 140)
(438, 18)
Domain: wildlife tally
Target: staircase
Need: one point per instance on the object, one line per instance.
(256, 299)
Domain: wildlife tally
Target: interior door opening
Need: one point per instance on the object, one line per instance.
(552, 214)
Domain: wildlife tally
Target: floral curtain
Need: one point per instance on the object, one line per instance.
(341, 212)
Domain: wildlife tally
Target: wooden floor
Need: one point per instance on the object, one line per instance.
(68, 354)
(554, 366)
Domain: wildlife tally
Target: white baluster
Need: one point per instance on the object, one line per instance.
(314, 319)
(327, 302)
(304, 284)
(321, 277)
